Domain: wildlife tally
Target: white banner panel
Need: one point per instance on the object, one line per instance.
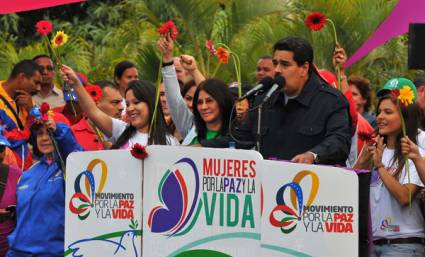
(309, 210)
(103, 204)
(201, 202)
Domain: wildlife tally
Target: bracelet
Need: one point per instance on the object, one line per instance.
(380, 166)
(167, 63)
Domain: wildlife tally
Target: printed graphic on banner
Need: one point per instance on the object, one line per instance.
(177, 207)
(103, 211)
(294, 213)
(106, 205)
(314, 218)
(303, 213)
(203, 201)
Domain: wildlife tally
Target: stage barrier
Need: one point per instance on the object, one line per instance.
(207, 202)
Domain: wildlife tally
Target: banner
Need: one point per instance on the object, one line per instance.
(309, 210)
(103, 204)
(397, 23)
(12, 6)
(201, 202)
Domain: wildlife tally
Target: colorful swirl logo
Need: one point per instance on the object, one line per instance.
(385, 223)
(82, 201)
(178, 204)
(291, 214)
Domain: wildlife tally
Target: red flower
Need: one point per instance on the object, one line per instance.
(95, 92)
(210, 46)
(315, 21)
(44, 108)
(394, 94)
(223, 55)
(169, 28)
(139, 152)
(44, 27)
(366, 137)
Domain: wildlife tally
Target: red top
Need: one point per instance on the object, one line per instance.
(86, 136)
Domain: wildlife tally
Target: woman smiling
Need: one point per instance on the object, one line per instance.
(140, 102)
(397, 221)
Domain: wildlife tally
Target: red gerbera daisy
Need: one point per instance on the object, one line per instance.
(44, 27)
(95, 92)
(315, 21)
(44, 108)
(394, 94)
(223, 55)
(139, 152)
(169, 28)
(210, 46)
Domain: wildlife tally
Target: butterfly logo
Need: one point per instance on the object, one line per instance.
(178, 193)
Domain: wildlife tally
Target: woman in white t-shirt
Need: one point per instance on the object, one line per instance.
(140, 101)
(397, 221)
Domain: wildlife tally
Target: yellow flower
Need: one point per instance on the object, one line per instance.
(59, 39)
(406, 95)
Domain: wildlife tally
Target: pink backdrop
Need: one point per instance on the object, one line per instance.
(397, 23)
(11, 6)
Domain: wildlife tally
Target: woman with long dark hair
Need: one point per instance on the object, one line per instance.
(212, 106)
(397, 221)
(140, 101)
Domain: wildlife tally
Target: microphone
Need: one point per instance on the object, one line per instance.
(279, 82)
(265, 83)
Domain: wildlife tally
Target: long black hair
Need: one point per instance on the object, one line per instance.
(121, 67)
(410, 116)
(218, 90)
(144, 91)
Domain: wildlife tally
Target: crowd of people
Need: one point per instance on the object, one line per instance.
(314, 117)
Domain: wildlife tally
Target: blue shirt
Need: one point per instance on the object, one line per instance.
(41, 204)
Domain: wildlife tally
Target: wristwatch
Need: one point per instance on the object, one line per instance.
(315, 157)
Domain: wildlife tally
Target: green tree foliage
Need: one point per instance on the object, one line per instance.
(103, 33)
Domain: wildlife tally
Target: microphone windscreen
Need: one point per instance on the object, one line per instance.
(267, 82)
(279, 80)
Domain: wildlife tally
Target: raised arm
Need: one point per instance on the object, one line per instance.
(180, 113)
(188, 62)
(99, 118)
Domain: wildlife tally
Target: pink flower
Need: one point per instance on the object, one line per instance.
(210, 46)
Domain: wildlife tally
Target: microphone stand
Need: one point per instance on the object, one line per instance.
(279, 83)
(259, 119)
